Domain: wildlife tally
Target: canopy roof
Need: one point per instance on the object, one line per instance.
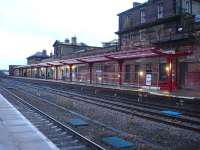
(70, 62)
(55, 63)
(93, 59)
(120, 55)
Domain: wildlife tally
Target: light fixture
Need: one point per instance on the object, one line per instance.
(73, 67)
(118, 75)
(68, 67)
(141, 73)
(180, 29)
(167, 68)
(99, 78)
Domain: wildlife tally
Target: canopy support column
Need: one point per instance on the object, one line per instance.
(120, 63)
(170, 79)
(38, 72)
(31, 72)
(26, 73)
(70, 73)
(90, 69)
(56, 72)
(46, 68)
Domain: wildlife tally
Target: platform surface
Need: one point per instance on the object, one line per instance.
(17, 133)
(182, 93)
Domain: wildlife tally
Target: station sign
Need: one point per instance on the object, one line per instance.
(148, 79)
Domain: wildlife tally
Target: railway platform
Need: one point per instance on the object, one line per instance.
(17, 133)
(179, 94)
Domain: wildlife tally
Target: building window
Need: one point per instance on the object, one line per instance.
(142, 16)
(127, 22)
(137, 69)
(148, 68)
(127, 72)
(186, 6)
(162, 72)
(160, 10)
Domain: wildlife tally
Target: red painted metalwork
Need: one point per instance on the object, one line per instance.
(90, 68)
(70, 72)
(31, 72)
(56, 72)
(173, 54)
(46, 72)
(70, 62)
(94, 59)
(120, 57)
(133, 55)
(120, 63)
(170, 80)
(43, 65)
(55, 63)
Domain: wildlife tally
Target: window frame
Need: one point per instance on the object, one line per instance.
(160, 11)
(142, 15)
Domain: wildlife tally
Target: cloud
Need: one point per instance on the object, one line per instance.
(27, 26)
(15, 48)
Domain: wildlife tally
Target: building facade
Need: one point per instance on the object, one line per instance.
(68, 49)
(171, 25)
(159, 47)
(37, 57)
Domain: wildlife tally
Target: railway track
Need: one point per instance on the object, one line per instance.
(61, 135)
(144, 112)
(125, 100)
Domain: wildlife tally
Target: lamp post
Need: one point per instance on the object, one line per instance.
(140, 74)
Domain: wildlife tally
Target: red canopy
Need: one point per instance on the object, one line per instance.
(70, 62)
(55, 63)
(93, 59)
(144, 53)
(120, 55)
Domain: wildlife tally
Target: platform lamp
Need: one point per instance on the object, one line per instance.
(140, 74)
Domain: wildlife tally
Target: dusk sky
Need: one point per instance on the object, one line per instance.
(28, 26)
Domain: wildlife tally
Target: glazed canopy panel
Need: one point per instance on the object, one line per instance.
(92, 59)
(70, 61)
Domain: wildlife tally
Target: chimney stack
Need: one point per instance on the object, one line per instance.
(67, 41)
(135, 4)
(74, 40)
(44, 52)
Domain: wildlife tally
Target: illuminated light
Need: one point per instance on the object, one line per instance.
(141, 73)
(118, 75)
(180, 29)
(62, 67)
(52, 68)
(167, 69)
(68, 67)
(170, 65)
(73, 67)
(99, 78)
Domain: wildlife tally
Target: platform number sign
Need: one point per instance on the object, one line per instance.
(148, 79)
